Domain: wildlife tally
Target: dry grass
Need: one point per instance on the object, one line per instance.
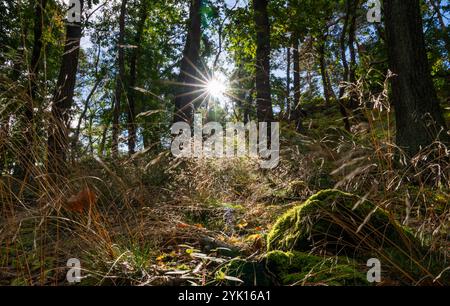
(163, 221)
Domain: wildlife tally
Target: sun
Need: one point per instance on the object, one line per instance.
(215, 88)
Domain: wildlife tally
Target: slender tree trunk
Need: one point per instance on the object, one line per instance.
(343, 45)
(323, 71)
(296, 114)
(120, 79)
(330, 87)
(37, 48)
(353, 104)
(419, 119)
(345, 76)
(58, 140)
(4, 136)
(240, 93)
(263, 91)
(91, 141)
(18, 61)
(188, 93)
(98, 79)
(27, 159)
(133, 76)
(248, 105)
(101, 147)
(288, 84)
(84, 112)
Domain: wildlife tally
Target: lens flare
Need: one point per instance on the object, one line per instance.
(215, 88)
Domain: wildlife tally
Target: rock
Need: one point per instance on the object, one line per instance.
(297, 268)
(336, 221)
(348, 231)
(291, 268)
(250, 273)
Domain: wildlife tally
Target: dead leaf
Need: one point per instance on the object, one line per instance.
(182, 225)
(85, 199)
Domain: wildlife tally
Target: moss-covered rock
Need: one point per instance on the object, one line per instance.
(291, 268)
(296, 268)
(250, 273)
(336, 221)
(349, 231)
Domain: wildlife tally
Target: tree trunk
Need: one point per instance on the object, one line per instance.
(296, 115)
(37, 49)
(101, 147)
(4, 135)
(58, 140)
(240, 93)
(345, 76)
(330, 87)
(263, 95)
(323, 71)
(248, 105)
(133, 75)
(84, 112)
(120, 78)
(27, 158)
(353, 104)
(98, 80)
(188, 93)
(419, 119)
(288, 84)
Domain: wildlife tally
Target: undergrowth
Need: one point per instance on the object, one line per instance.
(162, 221)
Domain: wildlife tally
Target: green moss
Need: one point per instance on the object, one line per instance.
(291, 268)
(251, 273)
(346, 225)
(336, 221)
(301, 269)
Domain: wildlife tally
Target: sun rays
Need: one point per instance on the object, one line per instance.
(216, 88)
(206, 87)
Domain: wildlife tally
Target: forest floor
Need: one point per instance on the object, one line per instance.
(161, 221)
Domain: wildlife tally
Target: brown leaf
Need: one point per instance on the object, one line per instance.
(85, 199)
(182, 225)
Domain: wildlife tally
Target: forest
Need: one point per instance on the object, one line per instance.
(225, 143)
